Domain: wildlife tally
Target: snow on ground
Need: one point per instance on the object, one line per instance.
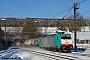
(50, 52)
(6, 54)
(31, 56)
(20, 55)
(28, 56)
(81, 35)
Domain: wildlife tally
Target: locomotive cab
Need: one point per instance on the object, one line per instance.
(66, 42)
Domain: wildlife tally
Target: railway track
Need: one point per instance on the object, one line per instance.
(6, 52)
(51, 56)
(81, 54)
(76, 54)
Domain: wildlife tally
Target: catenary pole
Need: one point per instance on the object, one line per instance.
(75, 29)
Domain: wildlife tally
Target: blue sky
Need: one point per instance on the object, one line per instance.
(40, 8)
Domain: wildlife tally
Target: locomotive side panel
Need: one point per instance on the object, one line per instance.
(40, 42)
(51, 41)
(57, 41)
(48, 41)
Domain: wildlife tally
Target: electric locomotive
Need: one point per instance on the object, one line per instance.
(58, 42)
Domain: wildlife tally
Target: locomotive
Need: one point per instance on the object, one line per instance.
(57, 42)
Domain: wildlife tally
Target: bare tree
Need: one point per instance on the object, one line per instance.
(29, 31)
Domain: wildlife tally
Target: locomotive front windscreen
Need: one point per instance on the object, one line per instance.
(66, 37)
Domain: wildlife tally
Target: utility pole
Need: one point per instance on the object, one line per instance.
(75, 35)
(5, 33)
(5, 37)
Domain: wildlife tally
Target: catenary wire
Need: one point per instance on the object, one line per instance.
(67, 13)
(67, 9)
(6, 12)
(62, 4)
(60, 11)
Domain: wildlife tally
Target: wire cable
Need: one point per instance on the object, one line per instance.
(67, 9)
(6, 12)
(67, 13)
(82, 1)
(85, 12)
(53, 8)
(62, 10)
(63, 3)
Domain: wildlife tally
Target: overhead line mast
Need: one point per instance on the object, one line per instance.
(75, 29)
